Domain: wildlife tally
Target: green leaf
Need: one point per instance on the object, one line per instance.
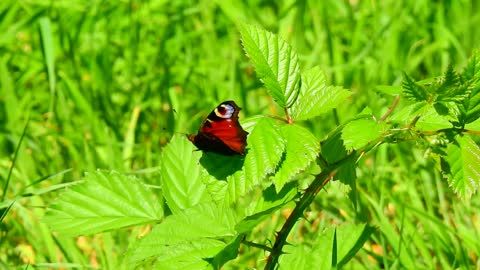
(315, 96)
(361, 132)
(412, 90)
(182, 175)
(431, 120)
(347, 175)
(350, 239)
(472, 69)
(187, 238)
(263, 206)
(302, 147)
(448, 86)
(104, 201)
(472, 104)
(187, 255)
(221, 166)
(333, 148)
(463, 166)
(474, 126)
(428, 117)
(300, 257)
(265, 148)
(343, 241)
(230, 252)
(275, 61)
(408, 113)
(471, 78)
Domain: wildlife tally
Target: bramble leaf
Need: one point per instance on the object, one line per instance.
(275, 61)
(302, 147)
(262, 207)
(265, 148)
(448, 86)
(316, 97)
(474, 126)
(472, 104)
(264, 152)
(462, 163)
(471, 77)
(104, 201)
(412, 90)
(187, 238)
(181, 175)
(472, 69)
(333, 148)
(428, 117)
(358, 133)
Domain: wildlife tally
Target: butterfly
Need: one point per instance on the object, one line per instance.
(220, 132)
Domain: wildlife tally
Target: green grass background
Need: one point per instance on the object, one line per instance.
(105, 84)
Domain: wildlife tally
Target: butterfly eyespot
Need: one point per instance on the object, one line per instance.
(224, 111)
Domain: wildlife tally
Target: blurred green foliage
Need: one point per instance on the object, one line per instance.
(104, 84)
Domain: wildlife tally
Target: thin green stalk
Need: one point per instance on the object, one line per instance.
(13, 161)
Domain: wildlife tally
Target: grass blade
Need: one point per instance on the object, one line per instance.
(4, 194)
(49, 56)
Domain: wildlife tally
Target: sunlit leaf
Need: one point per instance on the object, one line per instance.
(316, 97)
(302, 147)
(104, 201)
(361, 132)
(265, 148)
(471, 77)
(181, 175)
(187, 238)
(262, 207)
(275, 61)
(463, 166)
(413, 90)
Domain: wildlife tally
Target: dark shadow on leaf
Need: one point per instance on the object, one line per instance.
(220, 166)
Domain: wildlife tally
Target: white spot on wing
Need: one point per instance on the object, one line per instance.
(229, 110)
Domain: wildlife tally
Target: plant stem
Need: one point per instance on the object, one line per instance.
(390, 109)
(288, 116)
(307, 198)
(252, 244)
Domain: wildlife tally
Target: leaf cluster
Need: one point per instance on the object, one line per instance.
(208, 205)
(448, 108)
(454, 93)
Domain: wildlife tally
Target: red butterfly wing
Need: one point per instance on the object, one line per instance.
(229, 132)
(221, 132)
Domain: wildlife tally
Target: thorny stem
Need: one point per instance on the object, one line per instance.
(307, 198)
(390, 109)
(260, 246)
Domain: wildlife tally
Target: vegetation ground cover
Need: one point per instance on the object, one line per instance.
(106, 85)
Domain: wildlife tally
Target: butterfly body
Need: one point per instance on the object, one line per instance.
(221, 132)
